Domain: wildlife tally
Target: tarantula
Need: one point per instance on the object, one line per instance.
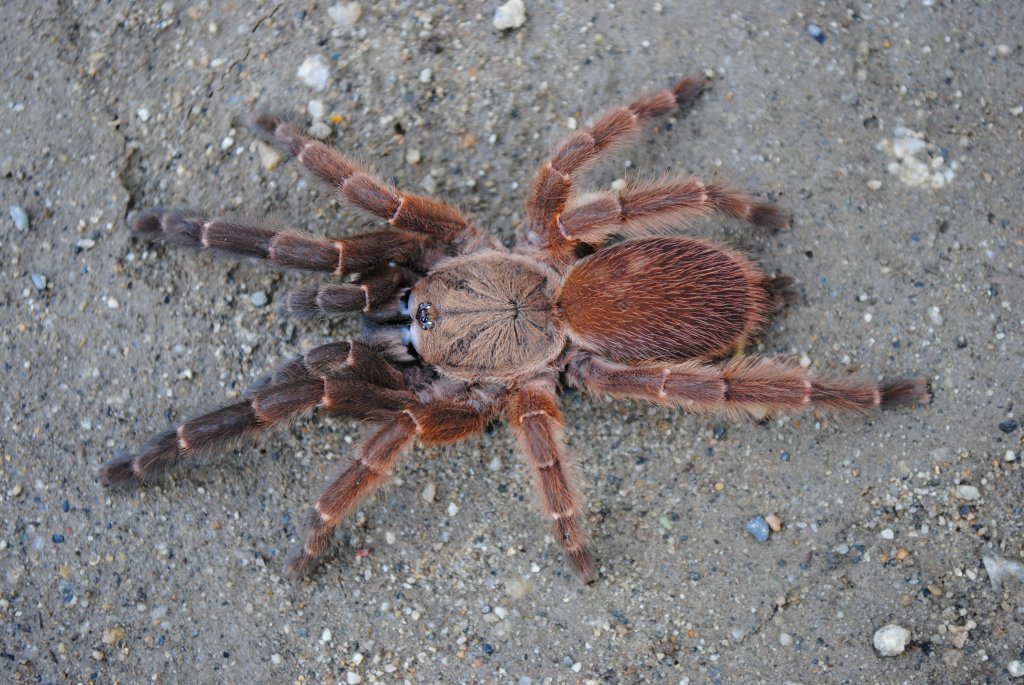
(458, 330)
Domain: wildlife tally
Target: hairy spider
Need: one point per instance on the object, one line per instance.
(459, 330)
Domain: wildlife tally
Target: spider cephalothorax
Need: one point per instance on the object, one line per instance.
(458, 330)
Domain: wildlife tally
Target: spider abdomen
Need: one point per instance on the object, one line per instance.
(663, 299)
(486, 316)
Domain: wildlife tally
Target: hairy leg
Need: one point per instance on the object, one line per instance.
(436, 423)
(660, 206)
(538, 424)
(345, 378)
(331, 299)
(355, 185)
(554, 182)
(746, 386)
(282, 248)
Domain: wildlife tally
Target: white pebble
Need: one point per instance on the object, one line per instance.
(353, 678)
(1000, 569)
(511, 15)
(1015, 669)
(314, 72)
(887, 534)
(874, 184)
(346, 14)
(389, 537)
(1009, 456)
(453, 508)
(112, 303)
(412, 156)
(258, 298)
(868, 317)
(501, 612)
(227, 143)
(785, 639)
(19, 217)
(426, 76)
(619, 184)
(326, 635)
(891, 639)
(316, 109)
(429, 490)
(143, 114)
(495, 463)
(935, 315)
(805, 361)
(275, 659)
(319, 130)
(86, 243)
(968, 492)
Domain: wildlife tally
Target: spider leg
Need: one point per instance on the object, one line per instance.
(538, 424)
(344, 378)
(745, 386)
(441, 422)
(554, 182)
(330, 299)
(285, 249)
(355, 185)
(660, 206)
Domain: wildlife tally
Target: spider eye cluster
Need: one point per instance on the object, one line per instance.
(422, 316)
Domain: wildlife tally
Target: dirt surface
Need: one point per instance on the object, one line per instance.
(886, 518)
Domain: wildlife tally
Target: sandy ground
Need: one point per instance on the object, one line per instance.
(886, 518)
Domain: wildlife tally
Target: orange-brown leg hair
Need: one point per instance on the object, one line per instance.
(554, 182)
(343, 378)
(752, 386)
(660, 206)
(356, 186)
(437, 423)
(286, 249)
(534, 416)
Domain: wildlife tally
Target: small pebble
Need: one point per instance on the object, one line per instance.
(1015, 669)
(316, 109)
(891, 639)
(389, 538)
(887, 534)
(326, 635)
(501, 612)
(111, 636)
(1008, 426)
(258, 298)
(774, 522)
(426, 75)
(319, 130)
(412, 156)
(935, 316)
(815, 32)
(353, 678)
(453, 508)
(38, 280)
(511, 15)
(758, 528)
(86, 243)
(1010, 455)
(57, 538)
(19, 217)
(314, 72)
(346, 14)
(967, 492)
(785, 639)
(269, 156)
(143, 114)
(874, 184)
(275, 659)
(999, 569)
(112, 303)
(429, 490)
